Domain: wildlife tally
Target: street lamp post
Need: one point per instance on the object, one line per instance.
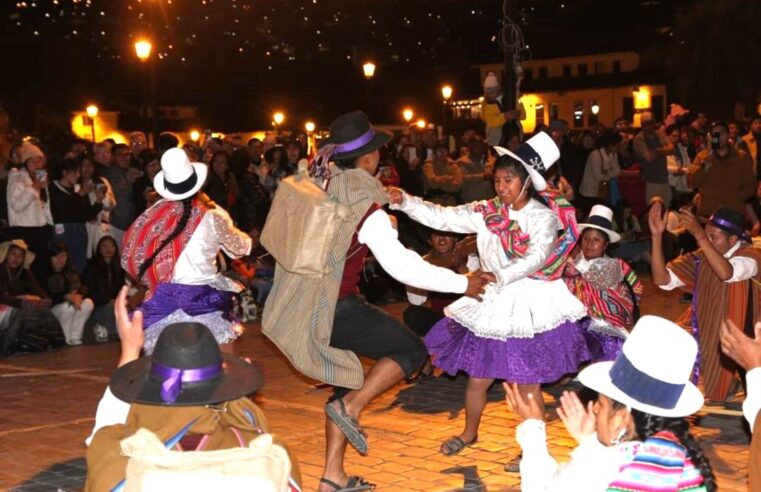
(92, 113)
(143, 50)
(309, 127)
(446, 94)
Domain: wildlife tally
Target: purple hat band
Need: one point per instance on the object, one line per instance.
(727, 226)
(355, 144)
(173, 378)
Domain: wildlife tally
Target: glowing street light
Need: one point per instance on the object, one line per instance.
(278, 118)
(143, 49)
(195, 135)
(92, 113)
(595, 108)
(446, 92)
(368, 69)
(309, 126)
(421, 124)
(407, 114)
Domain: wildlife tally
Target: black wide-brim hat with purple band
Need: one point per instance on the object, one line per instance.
(352, 135)
(729, 221)
(186, 369)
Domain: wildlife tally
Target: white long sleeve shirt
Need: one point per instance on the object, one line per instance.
(743, 268)
(25, 207)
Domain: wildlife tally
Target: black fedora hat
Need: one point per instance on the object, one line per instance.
(729, 221)
(186, 369)
(352, 135)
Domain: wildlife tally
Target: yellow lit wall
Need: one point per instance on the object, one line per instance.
(105, 126)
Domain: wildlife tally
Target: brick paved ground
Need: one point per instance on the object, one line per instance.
(48, 403)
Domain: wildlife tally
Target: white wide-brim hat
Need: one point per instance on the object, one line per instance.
(537, 155)
(652, 372)
(179, 178)
(601, 218)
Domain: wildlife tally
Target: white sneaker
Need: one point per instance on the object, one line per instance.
(101, 333)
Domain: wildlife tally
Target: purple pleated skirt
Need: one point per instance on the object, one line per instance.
(545, 358)
(601, 347)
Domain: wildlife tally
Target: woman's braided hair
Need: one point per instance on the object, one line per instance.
(187, 209)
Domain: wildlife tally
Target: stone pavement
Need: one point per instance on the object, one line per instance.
(49, 401)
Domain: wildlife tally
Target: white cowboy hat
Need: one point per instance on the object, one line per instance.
(179, 178)
(601, 218)
(537, 155)
(21, 244)
(652, 372)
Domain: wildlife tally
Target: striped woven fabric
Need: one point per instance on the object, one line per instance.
(660, 464)
(515, 242)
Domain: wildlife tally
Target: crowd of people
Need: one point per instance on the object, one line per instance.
(506, 221)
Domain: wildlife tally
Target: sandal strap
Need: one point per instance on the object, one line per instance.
(330, 483)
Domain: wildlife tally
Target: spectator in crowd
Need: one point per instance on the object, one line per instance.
(410, 170)
(103, 278)
(28, 204)
(211, 414)
(678, 164)
(476, 169)
(137, 144)
(294, 152)
(71, 209)
(493, 113)
(571, 163)
(586, 141)
(123, 212)
(701, 124)
(92, 183)
(427, 144)
(255, 150)
(746, 351)
(652, 147)
(70, 305)
(599, 173)
(77, 149)
(221, 185)
(688, 137)
(735, 133)
(749, 144)
(442, 177)
(274, 162)
(722, 174)
(443, 253)
(101, 151)
(253, 200)
(722, 276)
(633, 248)
(635, 436)
(14, 162)
(168, 141)
(26, 322)
(143, 194)
(753, 212)
(387, 173)
(608, 287)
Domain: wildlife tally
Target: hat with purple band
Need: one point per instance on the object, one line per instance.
(185, 369)
(729, 221)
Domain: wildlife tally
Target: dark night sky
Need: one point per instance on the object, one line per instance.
(239, 59)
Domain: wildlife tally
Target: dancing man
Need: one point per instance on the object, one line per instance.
(331, 325)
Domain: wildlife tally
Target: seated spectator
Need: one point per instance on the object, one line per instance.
(635, 436)
(387, 173)
(633, 248)
(71, 210)
(476, 167)
(443, 253)
(91, 182)
(608, 287)
(221, 185)
(746, 352)
(26, 322)
(442, 177)
(67, 292)
(103, 278)
(207, 410)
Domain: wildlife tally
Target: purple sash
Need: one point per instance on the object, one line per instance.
(195, 300)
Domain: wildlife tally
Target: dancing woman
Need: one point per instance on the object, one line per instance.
(608, 287)
(171, 251)
(523, 330)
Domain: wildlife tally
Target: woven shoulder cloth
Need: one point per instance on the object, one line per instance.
(147, 233)
(515, 242)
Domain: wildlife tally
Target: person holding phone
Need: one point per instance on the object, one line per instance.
(722, 174)
(28, 205)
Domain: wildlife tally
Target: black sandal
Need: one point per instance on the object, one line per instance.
(454, 445)
(348, 425)
(355, 484)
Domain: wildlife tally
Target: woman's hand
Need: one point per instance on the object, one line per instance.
(656, 220)
(131, 332)
(526, 409)
(76, 299)
(579, 421)
(395, 195)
